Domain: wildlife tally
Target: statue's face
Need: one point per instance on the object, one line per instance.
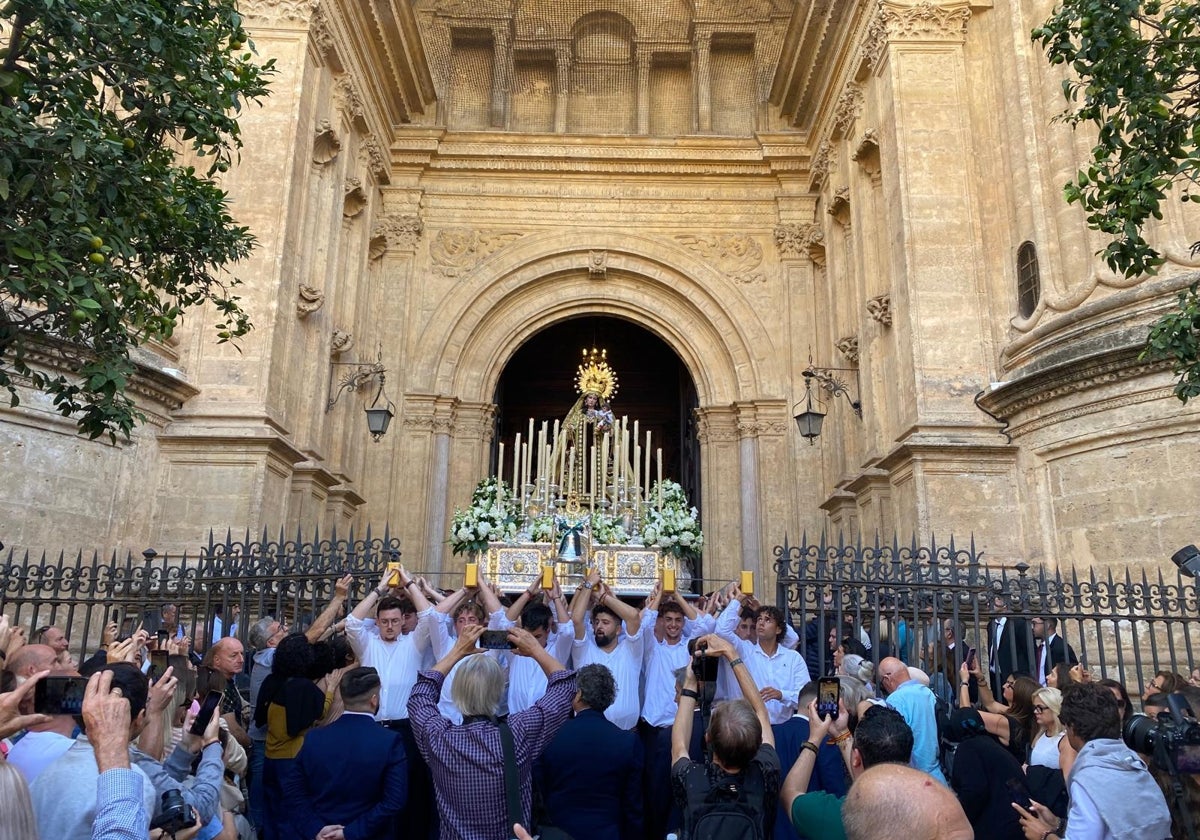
(591, 401)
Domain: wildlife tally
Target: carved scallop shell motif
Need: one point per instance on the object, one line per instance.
(356, 198)
(326, 144)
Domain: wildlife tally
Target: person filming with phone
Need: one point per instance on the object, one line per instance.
(736, 788)
(880, 737)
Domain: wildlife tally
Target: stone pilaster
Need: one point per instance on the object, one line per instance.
(720, 454)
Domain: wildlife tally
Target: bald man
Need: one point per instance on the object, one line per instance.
(30, 659)
(913, 699)
(228, 658)
(890, 800)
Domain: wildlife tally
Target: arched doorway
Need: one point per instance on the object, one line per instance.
(654, 388)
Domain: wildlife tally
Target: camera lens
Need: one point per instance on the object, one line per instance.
(1140, 734)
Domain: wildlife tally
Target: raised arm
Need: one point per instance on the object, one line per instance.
(722, 647)
(414, 593)
(559, 603)
(450, 603)
(341, 591)
(527, 645)
(518, 606)
(797, 779)
(579, 603)
(626, 612)
(363, 609)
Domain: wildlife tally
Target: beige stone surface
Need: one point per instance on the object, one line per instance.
(764, 183)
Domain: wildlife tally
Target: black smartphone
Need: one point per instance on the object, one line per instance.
(829, 693)
(163, 638)
(204, 716)
(158, 664)
(495, 640)
(970, 660)
(705, 667)
(1018, 792)
(59, 695)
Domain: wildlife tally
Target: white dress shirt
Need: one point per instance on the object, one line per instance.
(397, 662)
(662, 660)
(784, 670)
(625, 663)
(526, 679)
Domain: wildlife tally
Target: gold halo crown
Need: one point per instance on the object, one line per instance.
(594, 376)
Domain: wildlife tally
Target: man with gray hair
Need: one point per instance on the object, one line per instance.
(590, 776)
(467, 759)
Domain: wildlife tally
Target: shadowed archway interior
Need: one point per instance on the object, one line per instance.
(654, 387)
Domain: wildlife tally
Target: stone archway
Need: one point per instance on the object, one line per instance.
(699, 313)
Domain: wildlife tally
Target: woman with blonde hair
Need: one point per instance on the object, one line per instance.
(1047, 783)
(18, 822)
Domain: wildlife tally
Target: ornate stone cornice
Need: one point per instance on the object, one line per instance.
(400, 232)
(375, 159)
(925, 21)
(822, 162)
(278, 11)
(801, 240)
(348, 100)
(716, 425)
(321, 37)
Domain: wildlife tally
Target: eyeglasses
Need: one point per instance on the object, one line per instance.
(1009, 684)
(1037, 710)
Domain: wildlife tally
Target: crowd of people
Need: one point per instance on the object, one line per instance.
(470, 715)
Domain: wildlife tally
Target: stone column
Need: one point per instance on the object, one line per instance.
(950, 470)
(716, 431)
(643, 89)
(501, 76)
(703, 77)
(562, 84)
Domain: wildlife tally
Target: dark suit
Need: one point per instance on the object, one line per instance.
(590, 778)
(351, 773)
(984, 776)
(1014, 653)
(1058, 651)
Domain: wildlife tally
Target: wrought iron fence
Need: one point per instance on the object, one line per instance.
(235, 582)
(1125, 625)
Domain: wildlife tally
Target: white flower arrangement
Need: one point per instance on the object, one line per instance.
(675, 528)
(494, 515)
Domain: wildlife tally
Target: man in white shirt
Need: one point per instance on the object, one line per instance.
(526, 679)
(397, 659)
(664, 655)
(779, 672)
(605, 645)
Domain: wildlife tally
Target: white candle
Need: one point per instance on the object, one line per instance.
(660, 480)
(571, 473)
(591, 462)
(500, 465)
(517, 466)
(529, 453)
(646, 477)
(637, 468)
(604, 465)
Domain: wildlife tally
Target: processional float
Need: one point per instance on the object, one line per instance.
(580, 497)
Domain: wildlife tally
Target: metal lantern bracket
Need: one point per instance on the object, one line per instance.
(353, 380)
(835, 387)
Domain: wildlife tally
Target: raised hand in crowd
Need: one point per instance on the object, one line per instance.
(158, 704)
(11, 719)
(331, 832)
(1037, 821)
(463, 647)
(184, 834)
(106, 719)
(655, 597)
(16, 641)
(109, 634)
(5, 633)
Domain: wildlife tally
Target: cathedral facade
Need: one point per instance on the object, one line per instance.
(867, 187)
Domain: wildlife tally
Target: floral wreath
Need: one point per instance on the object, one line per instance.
(594, 376)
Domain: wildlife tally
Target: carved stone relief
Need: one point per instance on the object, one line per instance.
(395, 231)
(326, 144)
(823, 161)
(839, 206)
(347, 98)
(321, 35)
(801, 241)
(598, 264)
(455, 251)
(737, 256)
(309, 301)
(848, 109)
(374, 157)
(848, 347)
(875, 42)
(355, 200)
(340, 342)
(880, 308)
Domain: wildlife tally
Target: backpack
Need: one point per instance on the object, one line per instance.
(728, 811)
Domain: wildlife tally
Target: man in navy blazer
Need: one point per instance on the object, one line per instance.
(590, 777)
(350, 779)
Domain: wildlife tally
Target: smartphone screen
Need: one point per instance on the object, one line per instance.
(158, 664)
(59, 695)
(495, 640)
(204, 716)
(970, 660)
(829, 692)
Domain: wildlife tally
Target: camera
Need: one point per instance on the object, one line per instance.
(703, 665)
(174, 815)
(1172, 739)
